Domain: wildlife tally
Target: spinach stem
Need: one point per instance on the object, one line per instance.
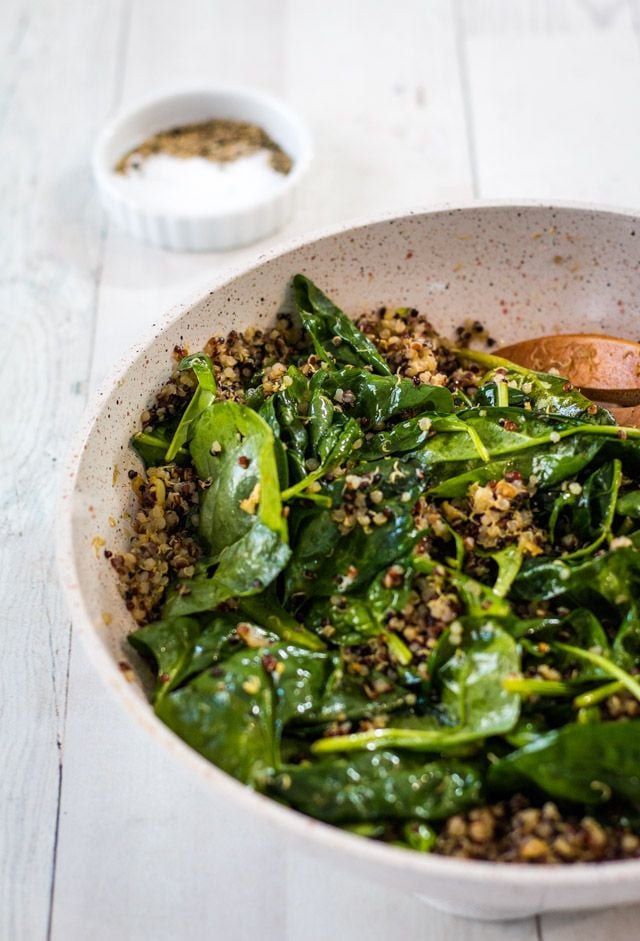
(153, 441)
(530, 686)
(412, 739)
(502, 390)
(398, 649)
(605, 664)
(585, 700)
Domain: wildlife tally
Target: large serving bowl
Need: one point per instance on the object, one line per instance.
(523, 271)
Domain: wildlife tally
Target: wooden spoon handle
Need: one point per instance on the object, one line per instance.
(629, 416)
(604, 367)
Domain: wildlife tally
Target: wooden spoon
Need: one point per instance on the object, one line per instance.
(605, 368)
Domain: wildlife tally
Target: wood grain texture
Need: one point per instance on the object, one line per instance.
(408, 104)
(382, 97)
(50, 257)
(552, 95)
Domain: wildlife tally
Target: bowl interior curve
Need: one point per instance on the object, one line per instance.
(522, 271)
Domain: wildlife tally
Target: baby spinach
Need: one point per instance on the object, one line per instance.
(244, 568)
(349, 642)
(152, 447)
(626, 646)
(586, 764)
(241, 517)
(181, 647)
(381, 398)
(323, 557)
(341, 450)
(380, 785)
(473, 702)
(545, 392)
(628, 504)
(227, 716)
(607, 582)
(333, 334)
(203, 397)
(233, 451)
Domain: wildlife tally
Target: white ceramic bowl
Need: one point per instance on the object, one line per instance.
(523, 271)
(203, 230)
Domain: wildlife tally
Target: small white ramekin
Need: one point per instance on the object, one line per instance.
(201, 231)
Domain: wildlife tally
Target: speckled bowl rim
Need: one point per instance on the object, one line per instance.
(300, 827)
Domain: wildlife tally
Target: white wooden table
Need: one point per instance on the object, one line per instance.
(410, 102)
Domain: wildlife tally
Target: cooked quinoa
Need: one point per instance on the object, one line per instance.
(515, 831)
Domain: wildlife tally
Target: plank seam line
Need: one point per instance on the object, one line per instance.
(59, 746)
(465, 85)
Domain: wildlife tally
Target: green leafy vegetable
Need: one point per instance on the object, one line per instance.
(378, 786)
(473, 700)
(227, 716)
(581, 763)
(324, 322)
(355, 627)
(241, 516)
(202, 399)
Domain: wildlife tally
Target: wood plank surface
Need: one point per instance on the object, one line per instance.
(51, 247)
(553, 98)
(102, 835)
(551, 90)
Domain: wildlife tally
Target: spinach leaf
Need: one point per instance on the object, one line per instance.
(299, 678)
(267, 411)
(324, 423)
(606, 583)
(580, 627)
(342, 449)
(544, 391)
(290, 406)
(473, 701)
(244, 568)
(380, 398)
(168, 644)
(203, 397)
(241, 512)
(380, 785)
(323, 560)
(549, 463)
(346, 695)
(469, 677)
(181, 647)
(354, 617)
(580, 763)
(591, 512)
(324, 556)
(483, 444)
(626, 646)
(335, 338)
(233, 448)
(628, 504)
(266, 610)
(227, 717)
(509, 561)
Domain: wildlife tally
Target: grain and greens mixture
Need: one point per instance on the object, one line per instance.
(396, 585)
